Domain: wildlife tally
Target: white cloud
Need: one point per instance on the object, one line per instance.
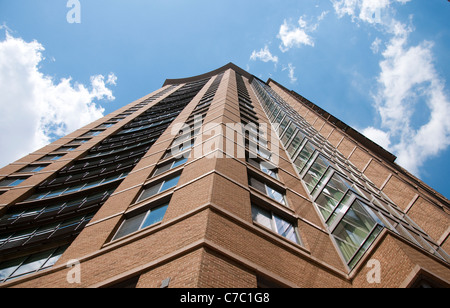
(264, 55)
(34, 108)
(293, 36)
(112, 79)
(371, 11)
(408, 77)
(291, 70)
(408, 83)
(378, 136)
(375, 47)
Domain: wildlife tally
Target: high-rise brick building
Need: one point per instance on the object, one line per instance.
(219, 180)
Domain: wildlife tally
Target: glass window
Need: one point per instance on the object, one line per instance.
(154, 216)
(141, 221)
(264, 166)
(315, 172)
(274, 194)
(264, 153)
(177, 150)
(357, 229)
(33, 168)
(285, 229)
(130, 225)
(106, 125)
(283, 125)
(295, 144)
(331, 195)
(268, 190)
(30, 264)
(268, 169)
(169, 183)
(279, 118)
(92, 133)
(304, 156)
(76, 188)
(66, 149)
(275, 223)
(77, 142)
(262, 217)
(50, 157)
(8, 268)
(11, 182)
(170, 165)
(288, 134)
(160, 187)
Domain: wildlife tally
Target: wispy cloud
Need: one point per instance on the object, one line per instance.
(34, 107)
(408, 77)
(264, 55)
(407, 82)
(370, 11)
(375, 47)
(291, 72)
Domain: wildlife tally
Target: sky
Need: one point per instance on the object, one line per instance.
(380, 66)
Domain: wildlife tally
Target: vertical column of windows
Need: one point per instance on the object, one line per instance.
(353, 210)
(154, 198)
(264, 213)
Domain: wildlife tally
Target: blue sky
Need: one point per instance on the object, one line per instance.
(381, 66)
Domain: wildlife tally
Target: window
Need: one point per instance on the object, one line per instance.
(75, 188)
(264, 166)
(32, 168)
(11, 182)
(29, 264)
(295, 144)
(47, 231)
(50, 157)
(54, 209)
(268, 190)
(158, 188)
(67, 149)
(332, 194)
(356, 231)
(104, 126)
(184, 136)
(288, 134)
(304, 156)
(170, 165)
(261, 150)
(77, 142)
(316, 172)
(178, 150)
(141, 221)
(92, 133)
(275, 223)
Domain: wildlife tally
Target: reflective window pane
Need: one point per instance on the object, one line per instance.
(285, 229)
(353, 229)
(274, 194)
(304, 156)
(262, 217)
(150, 191)
(8, 268)
(170, 183)
(331, 195)
(154, 216)
(32, 264)
(130, 225)
(315, 172)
